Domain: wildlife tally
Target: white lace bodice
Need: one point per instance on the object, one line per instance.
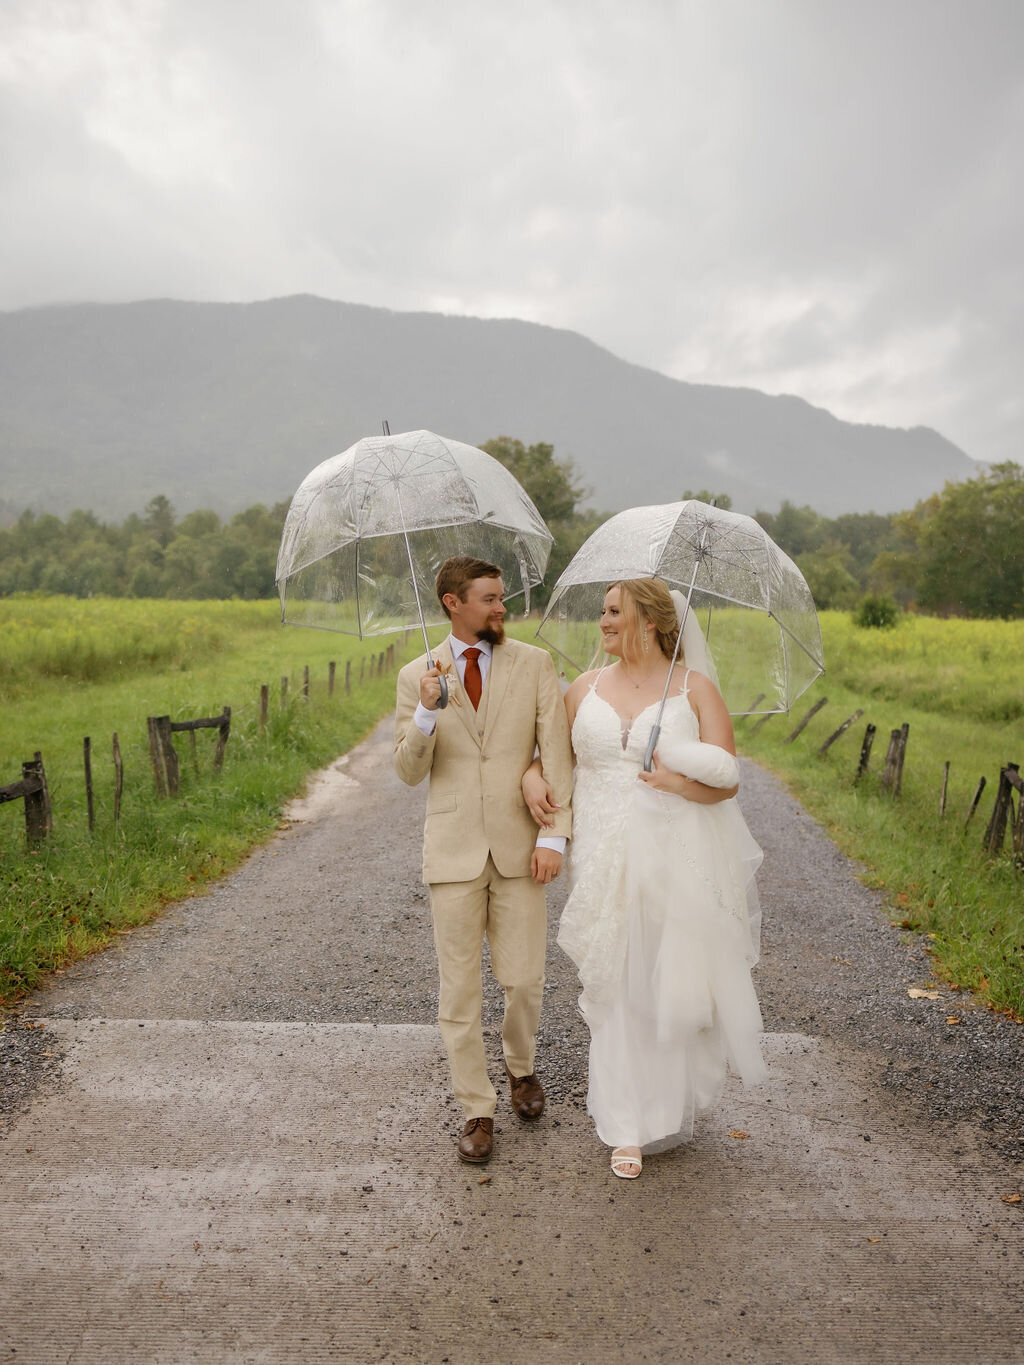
(609, 754)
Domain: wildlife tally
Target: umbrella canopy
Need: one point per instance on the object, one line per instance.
(751, 600)
(368, 529)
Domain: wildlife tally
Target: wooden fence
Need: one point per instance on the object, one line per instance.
(33, 790)
(1007, 814)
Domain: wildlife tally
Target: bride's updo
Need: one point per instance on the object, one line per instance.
(647, 599)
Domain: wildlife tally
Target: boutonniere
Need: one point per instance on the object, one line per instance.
(448, 672)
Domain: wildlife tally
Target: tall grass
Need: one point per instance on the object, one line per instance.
(113, 664)
(957, 685)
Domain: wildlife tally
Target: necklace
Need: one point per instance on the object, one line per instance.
(646, 678)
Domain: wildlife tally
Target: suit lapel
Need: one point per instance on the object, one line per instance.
(497, 685)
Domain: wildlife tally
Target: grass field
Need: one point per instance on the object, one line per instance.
(72, 669)
(958, 686)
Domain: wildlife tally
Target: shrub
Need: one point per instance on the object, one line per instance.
(876, 612)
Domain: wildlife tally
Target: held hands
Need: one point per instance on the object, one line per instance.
(545, 865)
(539, 798)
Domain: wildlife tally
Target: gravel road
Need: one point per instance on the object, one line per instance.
(306, 931)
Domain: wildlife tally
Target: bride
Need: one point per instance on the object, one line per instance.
(662, 920)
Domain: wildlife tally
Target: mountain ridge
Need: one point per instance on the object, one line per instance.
(225, 404)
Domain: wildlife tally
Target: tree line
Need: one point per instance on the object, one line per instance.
(959, 552)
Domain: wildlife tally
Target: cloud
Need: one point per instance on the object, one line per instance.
(820, 199)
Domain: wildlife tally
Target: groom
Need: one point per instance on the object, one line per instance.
(482, 859)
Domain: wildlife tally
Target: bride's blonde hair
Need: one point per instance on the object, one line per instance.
(642, 600)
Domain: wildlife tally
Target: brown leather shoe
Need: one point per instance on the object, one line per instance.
(527, 1095)
(477, 1140)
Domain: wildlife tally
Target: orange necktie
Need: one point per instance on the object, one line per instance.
(474, 683)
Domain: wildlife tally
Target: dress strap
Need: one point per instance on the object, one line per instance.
(597, 678)
(684, 691)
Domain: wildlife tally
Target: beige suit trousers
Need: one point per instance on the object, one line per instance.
(511, 912)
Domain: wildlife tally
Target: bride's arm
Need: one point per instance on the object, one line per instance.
(715, 727)
(537, 793)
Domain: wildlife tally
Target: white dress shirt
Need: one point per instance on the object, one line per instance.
(426, 720)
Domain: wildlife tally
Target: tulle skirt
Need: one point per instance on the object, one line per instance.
(677, 1012)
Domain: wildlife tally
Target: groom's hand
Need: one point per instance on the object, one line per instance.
(430, 688)
(545, 865)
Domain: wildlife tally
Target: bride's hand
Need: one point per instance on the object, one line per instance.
(539, 798)
(664, 779)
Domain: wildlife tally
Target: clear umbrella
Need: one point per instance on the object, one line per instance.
(754, 607)
(368, 529)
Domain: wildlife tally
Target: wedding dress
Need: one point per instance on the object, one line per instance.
(663, 925)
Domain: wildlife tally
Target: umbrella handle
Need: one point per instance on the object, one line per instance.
(442, 700)
(652, 744)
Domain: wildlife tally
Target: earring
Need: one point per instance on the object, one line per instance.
(647, 640)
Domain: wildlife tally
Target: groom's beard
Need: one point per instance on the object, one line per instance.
(493, 635)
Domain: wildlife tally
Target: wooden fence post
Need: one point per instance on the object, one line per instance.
(305, 683)
(264, 705)
(87, 761)
(995, 833)
(945, 788)
(223, 731)
(155, 757)
(348, 677)
(169, 755)
(810, 715)
(892, 776)
(763, 721)
(38, 814)
(865, 752)
(889, 771)
(1017, 822)
(841, 731)
(330, 678)
(118, 779)
(974, 803)
(362, 665)
(752, 707)
(284, 691)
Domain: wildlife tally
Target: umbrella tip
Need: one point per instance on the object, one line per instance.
(387, 429)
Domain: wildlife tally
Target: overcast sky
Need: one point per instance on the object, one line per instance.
(819, 197)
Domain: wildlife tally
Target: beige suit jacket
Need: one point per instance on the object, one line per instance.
(476, 760)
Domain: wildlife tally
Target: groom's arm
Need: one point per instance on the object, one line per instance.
(414, 751)
(554, 745)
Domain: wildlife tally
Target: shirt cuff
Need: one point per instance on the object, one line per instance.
(553, 841)
(426, 721)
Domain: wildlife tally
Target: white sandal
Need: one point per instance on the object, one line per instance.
(621, 1160)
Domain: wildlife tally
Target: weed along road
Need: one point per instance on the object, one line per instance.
(243, 1150)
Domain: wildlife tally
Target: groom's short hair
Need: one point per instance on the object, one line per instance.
(456, 574)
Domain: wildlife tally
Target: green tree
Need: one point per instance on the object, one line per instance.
(971, 546)
(550, 483)
(159, 519)
(797, 530)
(555, 491)
(722, 500)
(827, 571)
